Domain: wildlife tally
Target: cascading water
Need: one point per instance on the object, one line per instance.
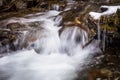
(56, 7)
(99, 31)
(99, 34)
(59, 58)
(58, 20)
(103, 40)
(73, 38)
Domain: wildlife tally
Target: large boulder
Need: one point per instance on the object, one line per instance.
(12, 37)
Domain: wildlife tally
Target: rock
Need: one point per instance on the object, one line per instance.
(36, 9)
(77, 9)
(99, 73)
(118, 20)
(109, 64)
(76, 19)
(4, 34)
(36, 24)
(114, 1)
(16, 26)
(7, 38)
(103, 9)
(5, 42)
(12, 37)
(106, 72)
(32, 3)
(18, 36)
(20, 4)
(109, 24)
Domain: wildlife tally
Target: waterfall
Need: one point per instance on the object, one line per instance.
(101, 35)
(99, 31)
(56, 7)
(59, 58)
(104, 39)
(58, 20)
(73, 38)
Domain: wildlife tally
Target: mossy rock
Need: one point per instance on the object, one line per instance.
(111, 22)
(69, 16)
(109, 28)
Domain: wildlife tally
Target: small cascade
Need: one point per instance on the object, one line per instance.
(56, 7)
(103, 39)
(30, 28)
(101, 35)
(58, 20)
(73, 38)
(59, 58)
(98, 31)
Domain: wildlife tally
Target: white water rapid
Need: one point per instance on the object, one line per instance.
(59, 58)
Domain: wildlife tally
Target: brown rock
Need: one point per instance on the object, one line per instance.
(15, 26)
(99, 73)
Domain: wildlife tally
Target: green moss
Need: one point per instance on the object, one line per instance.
(109, 28)
(114, 1)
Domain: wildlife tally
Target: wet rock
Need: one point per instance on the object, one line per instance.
(18, 36)
(36, 9)
(20, 13)
(32, 3)
(107, 66)
(99, 73)
(7, 39)
(36, 24)
(20, 4)
(103, 9)
(16, 26)
(111, 22)
(109, 25)
(100, 1)
(76, 16)
(76, 8)
(12, 37)
(4, 34)
(114, 1)
(80, 11)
